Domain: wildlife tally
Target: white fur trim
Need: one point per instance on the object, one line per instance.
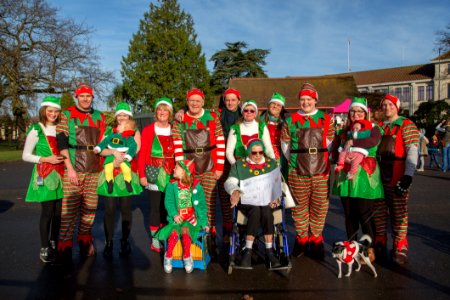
(360, 105)
(120, 149)
(277, 100)
(164, 102)
(51, 104)
(128, 157)
(359, 150)
(123, 111)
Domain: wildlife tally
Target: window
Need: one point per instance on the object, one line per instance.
(398, 93)
(406, 94)
(420, 93)
(429, 92)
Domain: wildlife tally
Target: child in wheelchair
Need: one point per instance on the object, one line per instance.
(250, 185)
(186, 214)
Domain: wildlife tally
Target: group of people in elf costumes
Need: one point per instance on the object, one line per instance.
(186, 159)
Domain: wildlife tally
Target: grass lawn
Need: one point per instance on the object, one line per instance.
(9, 153)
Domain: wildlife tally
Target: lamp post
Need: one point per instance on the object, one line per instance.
(439, 73)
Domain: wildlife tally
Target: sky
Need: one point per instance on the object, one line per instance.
(305, 37)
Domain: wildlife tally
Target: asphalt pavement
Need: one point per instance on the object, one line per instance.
(141, 276)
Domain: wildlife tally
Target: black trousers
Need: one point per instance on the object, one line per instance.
(158, 213)
(258, 216)
(110, 204)
(358, 212)
(50, 221)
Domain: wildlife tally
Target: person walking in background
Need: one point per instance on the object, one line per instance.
(423, 150)
(433, 150)
(118, 182)
(156, 164)
(80, 129)
(46, 179)
(358, 194)
(305, 138)
(444, 129)
(397, 153)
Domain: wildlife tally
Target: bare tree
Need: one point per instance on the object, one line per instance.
(41, 53)
(443, 39)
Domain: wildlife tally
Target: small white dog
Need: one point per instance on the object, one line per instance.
(353, 251)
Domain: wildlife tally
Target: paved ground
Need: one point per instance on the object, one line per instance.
(23, 276)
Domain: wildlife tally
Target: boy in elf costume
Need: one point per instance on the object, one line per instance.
(121, 139)
(80, 129)
(305, 136)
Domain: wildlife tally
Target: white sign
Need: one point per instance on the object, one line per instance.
(262, 189)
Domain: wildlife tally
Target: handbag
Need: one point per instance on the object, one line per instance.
(151, 172)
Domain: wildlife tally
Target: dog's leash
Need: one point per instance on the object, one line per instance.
(368, 219)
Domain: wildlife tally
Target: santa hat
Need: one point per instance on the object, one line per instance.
(393, 99)
(188, 166)
(232, 91)
(194, 91)
(308, 90)
(365, 124)
(359, 102)
(249, 102)
(163, 100)
(252, 142)
(277, 97)
(83, 88)
(51, 101)
(123, 107)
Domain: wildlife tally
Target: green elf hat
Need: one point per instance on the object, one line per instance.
(51, 101)
(249, 102)
(123, 107)
(188, 166)
(164, 100)
(252, 142)
(359, 102)
(277, 97)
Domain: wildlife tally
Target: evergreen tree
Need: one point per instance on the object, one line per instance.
(233, 62)
(67, 100)
(164, 58)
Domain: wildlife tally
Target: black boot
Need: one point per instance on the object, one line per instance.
(271, 260)
(317, 250)
(110, 186)
(108, 251)
(125, 248)
(128, 186)
(246, 258)
(299, 248)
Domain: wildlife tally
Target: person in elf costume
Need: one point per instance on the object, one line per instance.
(46, 183)
(118, 182)
(305, 136)
(359, 194)
(156, 163)
(252, 165)
(80, 129)
(186, 214)
(397, 155)
(199, 137)
(354, 156)
(121, 139)
(245, 129)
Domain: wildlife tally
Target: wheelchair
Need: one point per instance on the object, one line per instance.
(280, 240)
(199, 252)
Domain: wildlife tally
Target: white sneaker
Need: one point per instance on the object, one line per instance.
(167, 265)
(188, 264)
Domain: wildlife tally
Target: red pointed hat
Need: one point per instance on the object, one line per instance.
(195, 91)
(84, 88)
(232, 91)
(308, 90)
(393, 99)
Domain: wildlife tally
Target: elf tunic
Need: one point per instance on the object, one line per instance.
(398, 137)
(116, 140)
(157, 150)
(82, 131)
(308, 135)
(178, 199)
(366, 182)
(51, 189)
(203, 138)
(239, 136)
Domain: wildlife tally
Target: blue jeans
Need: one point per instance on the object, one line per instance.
(445, 158)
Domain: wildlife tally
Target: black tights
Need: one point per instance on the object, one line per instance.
(110, 214)
(50, 221)
(158, 213)
(358, 212)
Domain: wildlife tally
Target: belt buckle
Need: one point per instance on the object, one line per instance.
(115, 141)
(199, 151)
(312, 150)
(183, 211)
(90, 147)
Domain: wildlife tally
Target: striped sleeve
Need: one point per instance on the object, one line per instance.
(285, 134)
(177, 141)
(63, 125)
(220, 144)
(410, 134)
